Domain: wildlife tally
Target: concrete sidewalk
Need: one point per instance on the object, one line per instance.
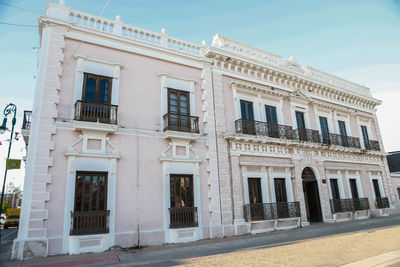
(284, 245)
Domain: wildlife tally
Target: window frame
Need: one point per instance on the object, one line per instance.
(98, 77)
(91, 173)
(179, 93)
(174, 175)
(271, 108)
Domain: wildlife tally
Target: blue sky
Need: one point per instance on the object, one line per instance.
(356, 40)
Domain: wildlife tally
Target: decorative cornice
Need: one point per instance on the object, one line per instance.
(164, 74)
(233, 57)
(265, 89)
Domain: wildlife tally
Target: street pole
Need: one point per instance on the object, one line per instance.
(9, 109)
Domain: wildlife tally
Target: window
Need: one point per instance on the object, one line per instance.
(247, 115)
(324, 130)
(353, 188)
(96, 89)
(270, 113)
(300, 120)
(280, 190)
(181, 190)
(96, 100)
(365, 137)
(90, 214)
(255, 195)
(178, 117)
(301, 127)
(377, 191)
(91, 191)
(178, 102)
(343, 133)
(182, 212)
(334, 189)
(342, 128)
(246, 109)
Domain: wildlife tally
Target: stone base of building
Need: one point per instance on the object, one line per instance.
(24, 249)
(273, 225)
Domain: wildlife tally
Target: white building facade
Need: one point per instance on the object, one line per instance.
(138, 138)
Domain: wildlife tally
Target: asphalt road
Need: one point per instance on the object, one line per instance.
(7, 238)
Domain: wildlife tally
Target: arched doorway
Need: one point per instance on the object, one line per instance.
(311, 195)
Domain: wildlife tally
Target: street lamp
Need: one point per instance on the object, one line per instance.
(10, 108)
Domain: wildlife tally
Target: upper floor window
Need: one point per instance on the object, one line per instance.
(178, 117)
(342, 128)
(365, 137)
(300, 120)
(270, 113)
(96, 100)
(96, 89)
(178, 102)
(246, 109)
(324, 129)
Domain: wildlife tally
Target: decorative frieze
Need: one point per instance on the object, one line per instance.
(274, 150)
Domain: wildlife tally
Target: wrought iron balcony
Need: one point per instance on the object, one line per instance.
(307, 135)
(340, 140)
(96, 112)
(349, 205)
(382, 203)
(26, 123)
(372, 145)
(181, 217)
(271, 211)
(263, 128)
(181, 123)
(89, 222)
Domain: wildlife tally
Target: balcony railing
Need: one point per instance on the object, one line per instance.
(181, 123)
(382, 203)
(263, 128)
(307, 135)
(349, 205)
(340, 140)
(96, 112)
(372, 145)
(271, 211)
(89, 222)
(181, 217)
(26, 124)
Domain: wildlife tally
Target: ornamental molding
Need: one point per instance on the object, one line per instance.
(292, 64)
(176, 77)
(297, 153)
(289, 74)
(80, 147)
(298, 94)
(264, 89)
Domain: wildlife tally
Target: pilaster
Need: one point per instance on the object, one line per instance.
(223, 154)
(32, 238)
(299, 193)
(322, 181)
(214, 204)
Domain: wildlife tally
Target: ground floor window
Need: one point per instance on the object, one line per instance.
(182, 211)
(334, 188)
(90, 214)
(377, 191)
(255, 195)
(353, 188)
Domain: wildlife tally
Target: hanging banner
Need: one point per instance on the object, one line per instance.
(13, 164)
